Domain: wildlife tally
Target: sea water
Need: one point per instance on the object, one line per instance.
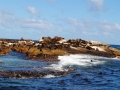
(89, 73)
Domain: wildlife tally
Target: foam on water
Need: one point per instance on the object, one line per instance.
(76, 60)
(50, 76)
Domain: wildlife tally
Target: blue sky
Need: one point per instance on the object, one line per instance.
(86, 19)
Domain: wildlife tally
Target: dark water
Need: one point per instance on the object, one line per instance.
(116, 46)
(90, 73)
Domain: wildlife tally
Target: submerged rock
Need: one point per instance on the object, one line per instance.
(86, 79)
(32, 74)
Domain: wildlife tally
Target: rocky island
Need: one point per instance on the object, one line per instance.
(48, 49)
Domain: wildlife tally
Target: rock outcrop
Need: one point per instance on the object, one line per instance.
(32, 74)
(48, 48)
(4, 50)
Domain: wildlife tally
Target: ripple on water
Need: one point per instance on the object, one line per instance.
(101, 73)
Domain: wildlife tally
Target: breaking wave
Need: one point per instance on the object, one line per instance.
(68, 61)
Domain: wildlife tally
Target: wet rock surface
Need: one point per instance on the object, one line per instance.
(32, 74)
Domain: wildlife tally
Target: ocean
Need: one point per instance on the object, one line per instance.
(89, 73)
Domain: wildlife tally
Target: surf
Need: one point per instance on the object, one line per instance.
(68, 61)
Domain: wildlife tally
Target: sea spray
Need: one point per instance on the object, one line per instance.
(50, 76)
(67, 62)
(101, 73)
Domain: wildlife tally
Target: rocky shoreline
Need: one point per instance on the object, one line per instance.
(48, 49)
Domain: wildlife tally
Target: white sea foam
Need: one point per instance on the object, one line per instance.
(116, 58)
(78, 59)
(50, 76)
(0, 61)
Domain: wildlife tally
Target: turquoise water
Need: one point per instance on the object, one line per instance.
(90, 73)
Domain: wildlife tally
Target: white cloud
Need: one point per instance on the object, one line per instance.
(104, 25)
(36, 24)
(96, 6)
(75, 22)
(90, 33)
(31, 10)
(7, 20)
(9, 12)
(117, 26)
(89, 25)
(97, 3)
(84, 25)
(94, 30)
(108, 34)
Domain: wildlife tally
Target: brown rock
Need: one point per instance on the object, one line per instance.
(33, 52)
(115, 51)
(4, 50)
(20, 48)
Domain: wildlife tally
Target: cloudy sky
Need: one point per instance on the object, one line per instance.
(97, 20)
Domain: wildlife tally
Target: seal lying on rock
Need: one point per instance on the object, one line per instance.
(50, 48)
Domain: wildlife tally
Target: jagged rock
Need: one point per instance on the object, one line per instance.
(22, 39)
(115, 51)
(4, 50)
(33, 52)
(20, 48)
(49, 48)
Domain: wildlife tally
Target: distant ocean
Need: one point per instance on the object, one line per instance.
(90, 73)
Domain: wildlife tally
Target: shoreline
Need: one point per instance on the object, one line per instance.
(48, 49)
